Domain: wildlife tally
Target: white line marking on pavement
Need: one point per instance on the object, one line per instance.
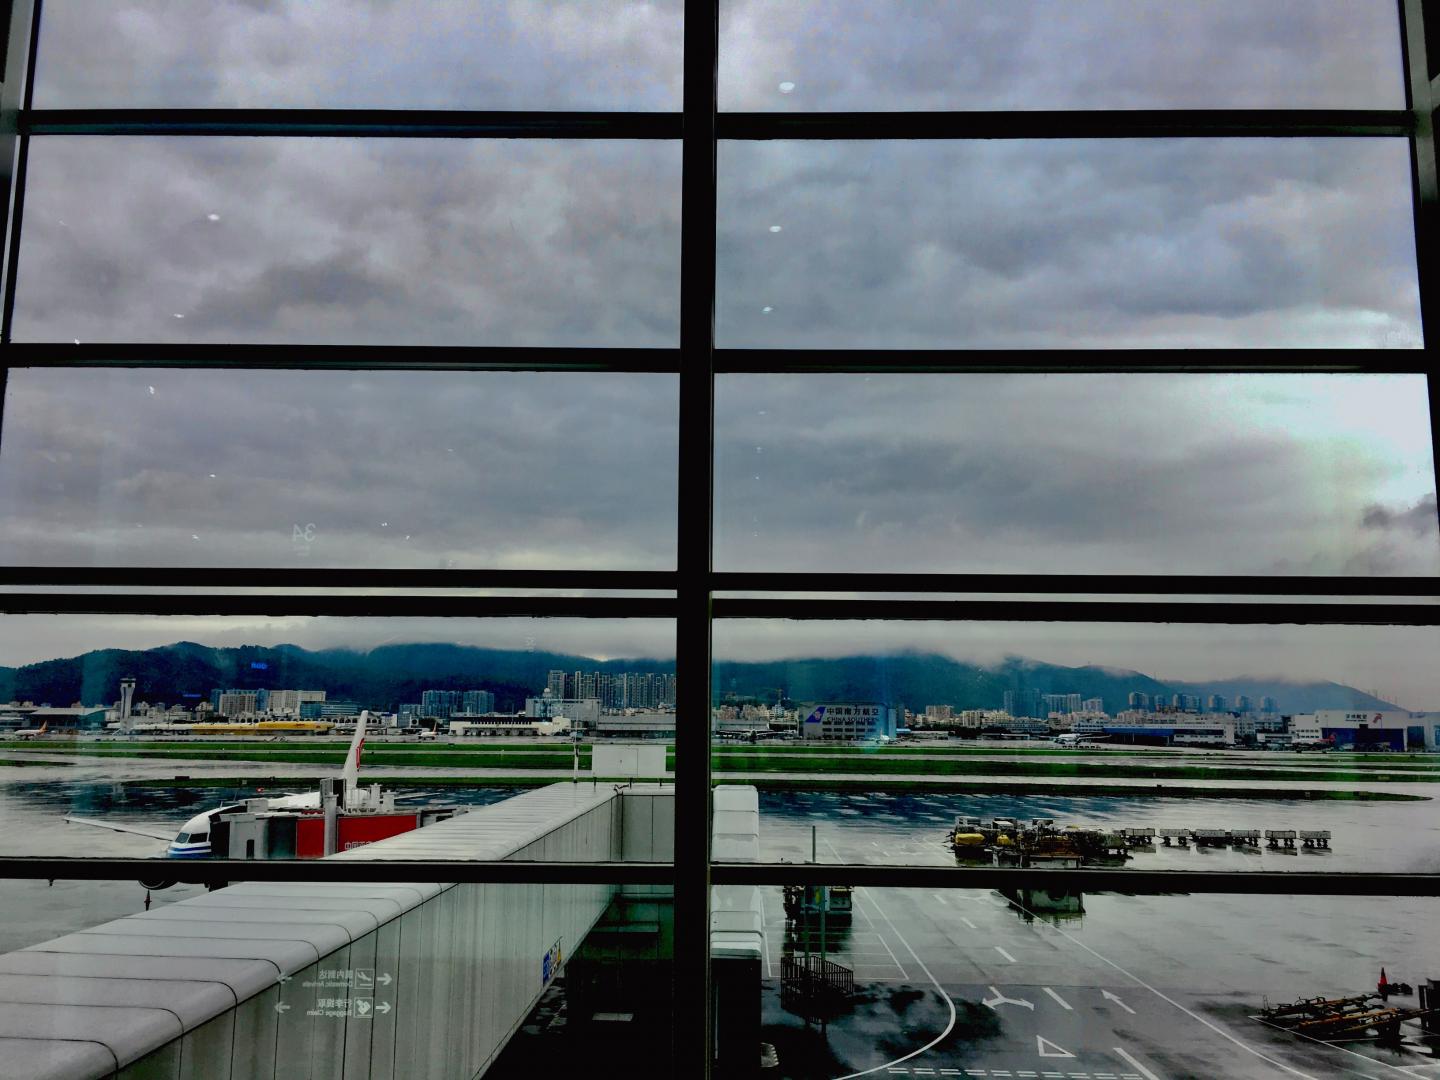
(1117, 1001)
(949, 1072)
(1131, 1060)
(1166, 998)
(1005, 954)
(1063, 1003)
(968, 923)
(1045, 1048)
(1001, 999)
(942, 900)
(949, 1026)
(904, 975)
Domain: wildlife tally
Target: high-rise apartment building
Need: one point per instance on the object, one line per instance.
(555, 683)
(477, 702)
(439, 704)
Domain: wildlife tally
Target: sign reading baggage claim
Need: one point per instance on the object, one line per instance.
(846, 721)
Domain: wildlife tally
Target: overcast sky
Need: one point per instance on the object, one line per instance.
(1091, 244)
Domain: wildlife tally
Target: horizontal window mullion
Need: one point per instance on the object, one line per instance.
(219, 871)
(1118, 584)
(1139, 882)
(342, 357)
(982, 124)
(1051, 361)
(1153, 882)
(372, 123)
(289, 577)
(282, 604)
(1068, 124)
(1115, 611)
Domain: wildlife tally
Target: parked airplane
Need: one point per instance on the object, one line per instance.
(193, 839)
(33, 733)
(1077, 739)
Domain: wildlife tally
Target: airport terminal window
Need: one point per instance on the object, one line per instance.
(951, 408)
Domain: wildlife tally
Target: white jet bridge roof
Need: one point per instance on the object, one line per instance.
(495, 832)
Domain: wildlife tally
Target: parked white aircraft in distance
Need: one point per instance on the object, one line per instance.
(193, 839)
(32, 733)
(1077, 739)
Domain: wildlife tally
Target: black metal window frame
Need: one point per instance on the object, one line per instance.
(694, 594)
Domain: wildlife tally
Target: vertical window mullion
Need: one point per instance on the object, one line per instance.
(693, 1034)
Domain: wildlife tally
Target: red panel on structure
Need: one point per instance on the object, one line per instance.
(358, 831)
(310, 837)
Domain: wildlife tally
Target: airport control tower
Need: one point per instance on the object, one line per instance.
(127, 701)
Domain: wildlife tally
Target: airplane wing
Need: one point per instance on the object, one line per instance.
(115, 826)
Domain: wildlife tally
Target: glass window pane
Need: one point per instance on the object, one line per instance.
(439, 54)
(1083, 473)
(312, 469)
(351, 241)
(1162, 243)
(875, 742)
(865, 55)
(463, 713)
(1052, 984)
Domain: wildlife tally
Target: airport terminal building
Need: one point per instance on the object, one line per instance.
(1393, 729)
(847, 721)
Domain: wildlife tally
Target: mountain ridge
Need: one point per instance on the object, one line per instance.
(388, 675)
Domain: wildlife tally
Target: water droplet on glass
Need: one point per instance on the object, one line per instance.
(384, 524)
(152, 390)
(767, 309)
(786, 87)
(776, 228)
(212, 476)
(212, 217)
(194, 537)
(178, 315)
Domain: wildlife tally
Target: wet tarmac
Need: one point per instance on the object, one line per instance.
(960, 982)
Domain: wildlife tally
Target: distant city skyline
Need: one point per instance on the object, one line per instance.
(1394, 662)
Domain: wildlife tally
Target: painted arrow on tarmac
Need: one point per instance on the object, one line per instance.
(1045, 1048)
(281, 1007)
(382, 1006)
(384, 978)
(1107, 994)
(1001, 999)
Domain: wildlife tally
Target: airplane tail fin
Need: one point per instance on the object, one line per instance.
(351, 772)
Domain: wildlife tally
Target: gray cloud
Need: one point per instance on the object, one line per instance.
(442, 54)
(392, 469)
(1055, 54)
(1418, 520)
(1075, 473)
(345, 241)
(1067, 244)
(620, 54)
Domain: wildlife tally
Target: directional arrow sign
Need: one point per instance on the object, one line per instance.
(1107, 994)
(382, 1006)
(384, 978)
(1046, 1048)
(281, 1007)
(1001, 999)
